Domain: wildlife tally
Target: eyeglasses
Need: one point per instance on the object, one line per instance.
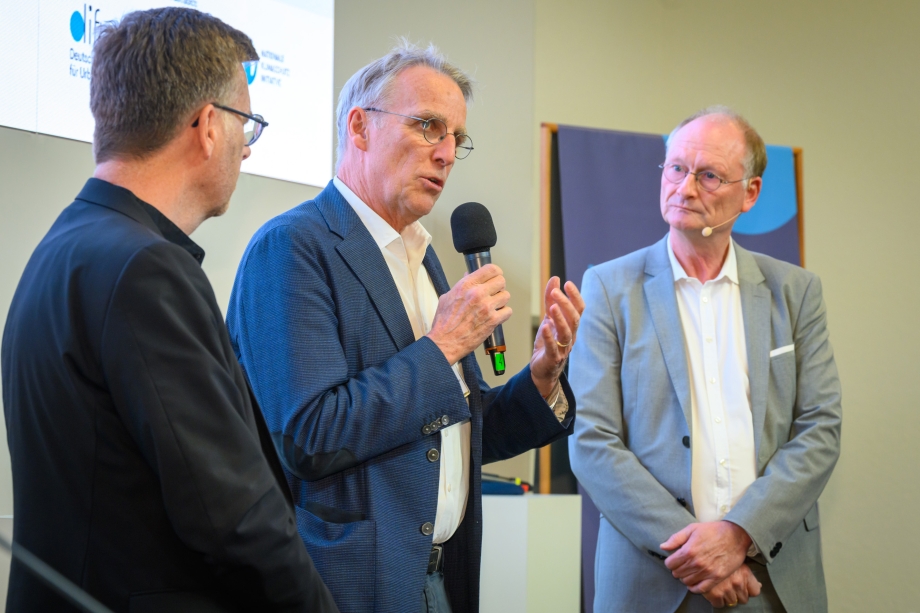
(708, 180)
(435, 131)
(252, 129)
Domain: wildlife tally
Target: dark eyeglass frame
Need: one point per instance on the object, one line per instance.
(696, 175)
(260, 123)
(461, 152)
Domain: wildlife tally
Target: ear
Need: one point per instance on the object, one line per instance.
(358, 128)
(206, 130)
(751, 194)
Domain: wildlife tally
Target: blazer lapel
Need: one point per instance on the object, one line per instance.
(435, 272)
(363, 257)
(662, 304)
(468, 364)
(756, 299)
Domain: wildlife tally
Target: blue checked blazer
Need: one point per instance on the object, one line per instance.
(354, 404)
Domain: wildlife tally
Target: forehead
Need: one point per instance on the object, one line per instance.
(240, 90)
(421, 88)
(710, 139)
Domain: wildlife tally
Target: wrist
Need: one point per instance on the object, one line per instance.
(743, 539)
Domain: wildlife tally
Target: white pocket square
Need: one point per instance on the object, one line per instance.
(782, 350)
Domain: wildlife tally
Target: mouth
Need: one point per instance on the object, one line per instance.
(434, 183)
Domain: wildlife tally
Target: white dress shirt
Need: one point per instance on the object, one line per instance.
(723, 456)
(403, 254)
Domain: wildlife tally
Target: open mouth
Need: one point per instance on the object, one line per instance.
(434, 182)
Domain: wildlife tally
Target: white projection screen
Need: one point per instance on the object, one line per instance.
(48, 49)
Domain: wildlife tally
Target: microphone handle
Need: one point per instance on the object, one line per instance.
(495, 344)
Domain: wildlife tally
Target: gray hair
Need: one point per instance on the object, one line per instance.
(372, 85)
(755, 156)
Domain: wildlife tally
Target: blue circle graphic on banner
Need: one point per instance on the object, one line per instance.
(77, 27)
(778, 202)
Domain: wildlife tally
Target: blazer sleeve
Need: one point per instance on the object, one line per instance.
(625, 492)
(176, 386)
(328, 409)
(516, 418)
(793, 479)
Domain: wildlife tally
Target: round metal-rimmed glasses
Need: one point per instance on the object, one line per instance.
(434, 130)
(706, 179)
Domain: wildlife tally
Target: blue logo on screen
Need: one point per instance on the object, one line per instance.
(77, 26)
(83, 24)
(251, 68)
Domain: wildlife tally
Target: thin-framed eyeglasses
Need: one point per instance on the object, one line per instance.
(708, 180)
(253, 127)
(434, 130)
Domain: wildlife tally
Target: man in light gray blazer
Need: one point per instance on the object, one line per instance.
(709, 400)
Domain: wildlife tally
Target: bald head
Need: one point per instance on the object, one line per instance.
(755, 153)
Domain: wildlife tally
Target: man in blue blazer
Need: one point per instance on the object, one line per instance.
(360, 353)
(709, 400)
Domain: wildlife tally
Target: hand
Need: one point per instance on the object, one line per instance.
(706, 553)
(469, 312)
(556, 335)
(738, 588)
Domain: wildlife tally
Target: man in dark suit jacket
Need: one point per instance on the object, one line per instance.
(360, 353)
(142, 469)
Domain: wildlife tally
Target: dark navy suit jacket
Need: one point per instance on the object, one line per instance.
(355, 403)
(142, 471)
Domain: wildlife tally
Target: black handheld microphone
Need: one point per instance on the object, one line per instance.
(474, 234)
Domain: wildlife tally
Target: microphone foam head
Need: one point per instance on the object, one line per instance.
(472, 228)
(707, 231)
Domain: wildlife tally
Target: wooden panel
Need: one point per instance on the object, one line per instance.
(547, 130)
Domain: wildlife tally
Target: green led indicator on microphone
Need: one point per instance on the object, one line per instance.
(498, 362)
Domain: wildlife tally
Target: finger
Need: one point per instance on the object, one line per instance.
(551, 285)
(564, 332)
(491, 286)
(484, 274)
(677, 539)
(498, 300)
(704, 586)
(574, 295)
(550, 348)
(567, 309)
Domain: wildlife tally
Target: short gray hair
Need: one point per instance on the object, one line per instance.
(371, 86)
(755, 156)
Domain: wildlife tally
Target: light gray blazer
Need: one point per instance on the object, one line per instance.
(631, 446)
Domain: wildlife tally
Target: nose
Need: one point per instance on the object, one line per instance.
(247, 151)
(445, 152)
(688, 186)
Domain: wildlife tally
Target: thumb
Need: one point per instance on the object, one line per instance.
(677, 539)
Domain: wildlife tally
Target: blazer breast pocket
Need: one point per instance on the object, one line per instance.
(343, 547)
(782, 376)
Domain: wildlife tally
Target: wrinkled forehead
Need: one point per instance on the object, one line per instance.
(710, 136)
(422, 89)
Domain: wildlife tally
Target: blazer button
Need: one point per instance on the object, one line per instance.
(433, 455)
(686, 442)
(426, 429)
(445, 420)
(427, 528)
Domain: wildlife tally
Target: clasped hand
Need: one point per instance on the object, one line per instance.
(709, 559)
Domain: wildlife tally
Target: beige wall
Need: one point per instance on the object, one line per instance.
(839, 79)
